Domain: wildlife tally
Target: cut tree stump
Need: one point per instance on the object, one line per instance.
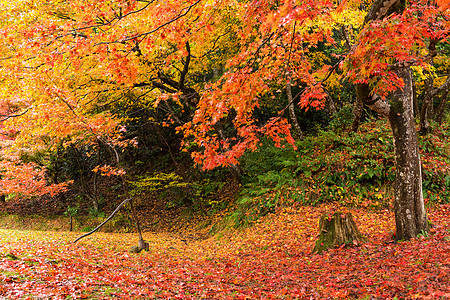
(337, 230)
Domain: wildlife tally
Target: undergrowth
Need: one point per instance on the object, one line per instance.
(353, 169)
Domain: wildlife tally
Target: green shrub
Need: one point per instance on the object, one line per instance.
(342, 119)
(354, 169)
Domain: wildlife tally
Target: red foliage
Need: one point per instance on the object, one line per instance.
(270, 260)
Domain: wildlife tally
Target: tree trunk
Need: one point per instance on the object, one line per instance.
(415, 102)
(330, 104)
(410, 214)
(441, 108)
(141, 244)
(235, 170)
(427, 105)
(336, 230)
(297, 131)
(357, 114)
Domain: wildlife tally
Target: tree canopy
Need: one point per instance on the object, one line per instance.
(76, 72)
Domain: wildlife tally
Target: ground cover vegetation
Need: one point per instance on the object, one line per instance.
(201, 115)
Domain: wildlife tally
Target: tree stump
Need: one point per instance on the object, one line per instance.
(337, 230)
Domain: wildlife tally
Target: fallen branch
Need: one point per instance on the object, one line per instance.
(104, 222)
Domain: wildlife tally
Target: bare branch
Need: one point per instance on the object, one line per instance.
(182, 13)
(6, 117)
(104, 222)
(185, 67)
(103, 22)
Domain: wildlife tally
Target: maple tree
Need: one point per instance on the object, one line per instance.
(379, 63)
(67, 63)
(408, 205)
(207, 67)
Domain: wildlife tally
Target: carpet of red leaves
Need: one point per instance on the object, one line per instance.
(270, 260)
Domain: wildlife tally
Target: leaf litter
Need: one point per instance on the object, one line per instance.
(270, 260)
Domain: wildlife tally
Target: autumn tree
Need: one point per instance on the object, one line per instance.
(393, 36)
(67, 62)
(72, 66)
(404, 30)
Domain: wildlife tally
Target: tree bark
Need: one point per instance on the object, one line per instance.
(410, 214)
(357, 114)
(427, 104)
(415, 102)
(297, 131)
(409, 209)
(337, 230)
(441, 108)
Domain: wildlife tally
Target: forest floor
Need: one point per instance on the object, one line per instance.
(270, 260)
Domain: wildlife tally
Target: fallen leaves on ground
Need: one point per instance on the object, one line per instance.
(270, 260)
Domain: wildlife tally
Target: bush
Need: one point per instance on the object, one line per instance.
(354, 169)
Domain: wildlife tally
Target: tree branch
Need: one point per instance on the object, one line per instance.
(6, 117)
(185, 68)
(104, 222)
(161, 86)
(442, 88)
(379, 10)
(145, 34)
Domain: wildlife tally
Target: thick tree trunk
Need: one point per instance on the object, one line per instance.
(410, 215)
(337, 230)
